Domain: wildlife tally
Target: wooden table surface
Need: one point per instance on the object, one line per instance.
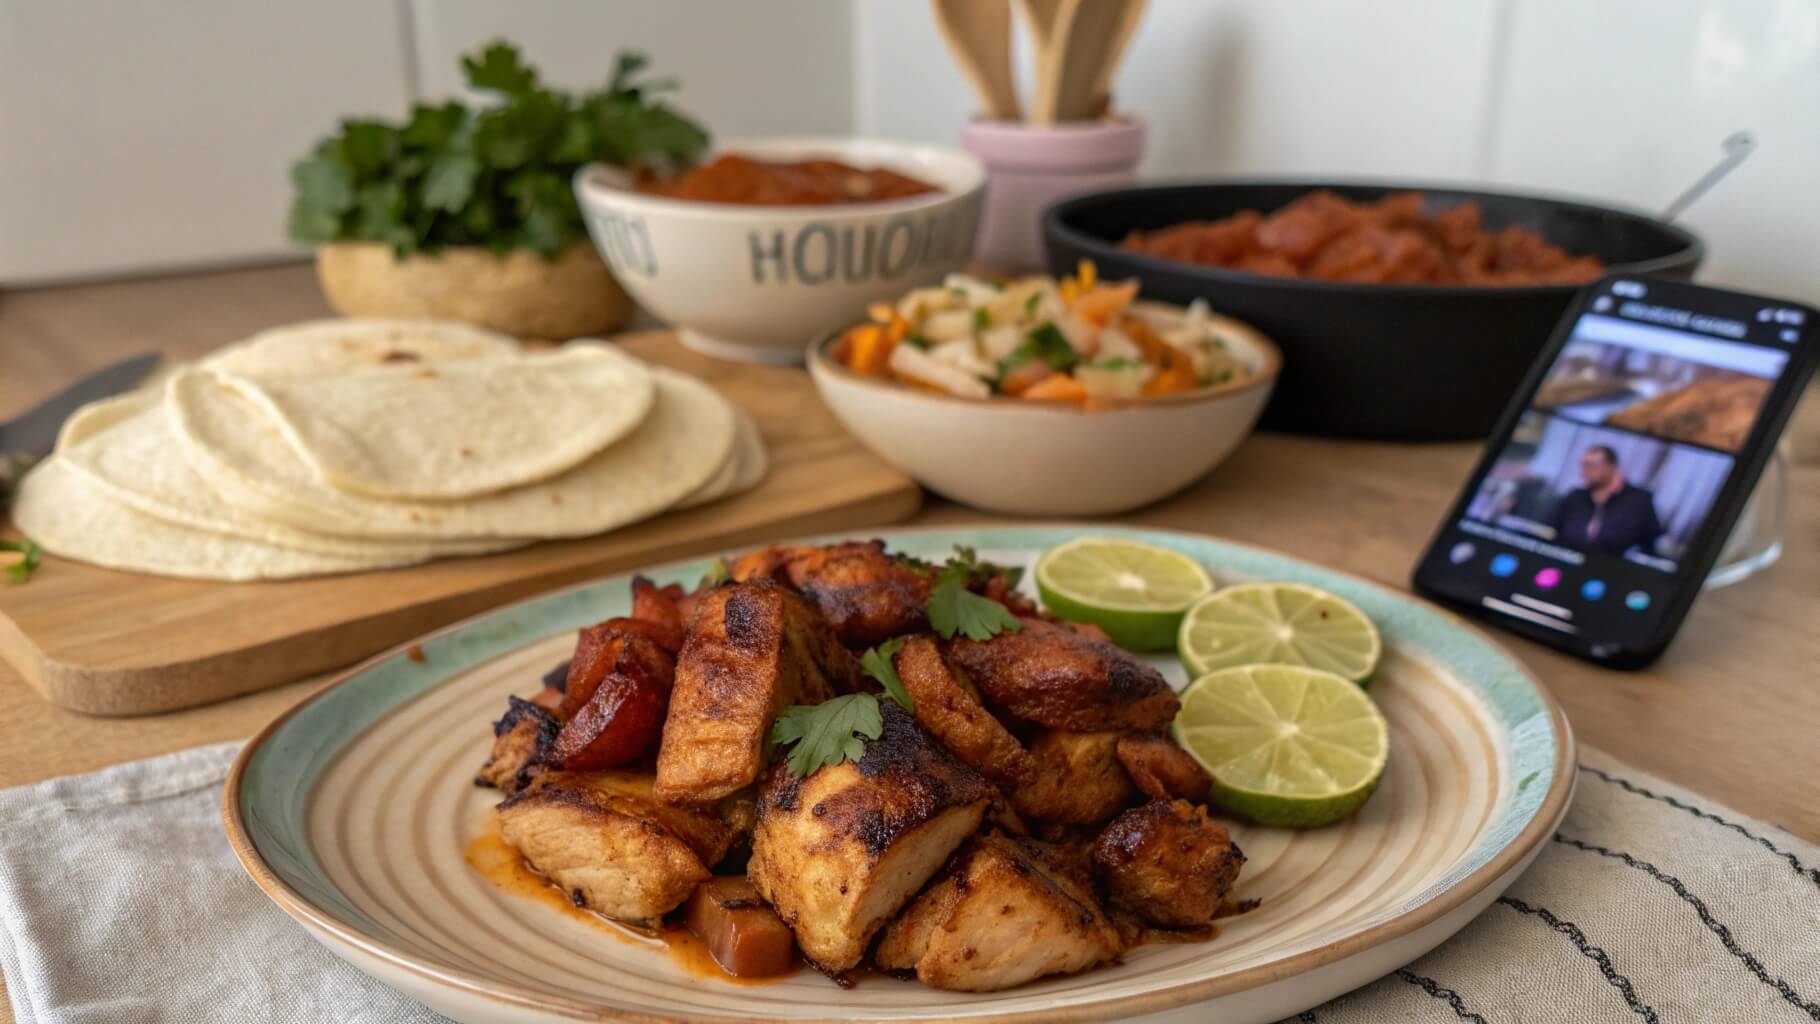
(1731, 711)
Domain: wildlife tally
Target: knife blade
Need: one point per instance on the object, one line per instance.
(34, 434)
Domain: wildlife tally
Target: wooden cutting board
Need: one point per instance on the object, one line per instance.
(114, 643)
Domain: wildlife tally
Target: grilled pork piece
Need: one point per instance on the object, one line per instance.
(1055, 676)
(839, 851)
(612, 846)
(949, 707)
(1168, 863)
(1074, 779)
(752, 650)
(521, 743)
(865, 594)
(661, 608)
(621, 721)
(1162, 769)
(1007, 913)
(743, 934)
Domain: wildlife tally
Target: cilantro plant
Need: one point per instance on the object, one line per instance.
(497, 175)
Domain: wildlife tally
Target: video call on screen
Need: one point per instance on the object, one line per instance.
(1630, 437)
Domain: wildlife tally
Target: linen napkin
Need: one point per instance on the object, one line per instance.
(121, 902)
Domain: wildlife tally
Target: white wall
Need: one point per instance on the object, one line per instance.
(138, 137)
(148, 135)
(1621, 100)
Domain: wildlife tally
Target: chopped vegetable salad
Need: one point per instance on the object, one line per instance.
(1077, 340)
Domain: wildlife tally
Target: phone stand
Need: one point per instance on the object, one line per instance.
(1756, 540)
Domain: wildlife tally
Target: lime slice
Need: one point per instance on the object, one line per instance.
(1135, 592)
(1287, 746)
(1279, 624)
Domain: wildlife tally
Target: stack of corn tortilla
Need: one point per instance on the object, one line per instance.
(347, 445)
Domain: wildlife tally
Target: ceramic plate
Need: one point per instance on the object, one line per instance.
(357, 814)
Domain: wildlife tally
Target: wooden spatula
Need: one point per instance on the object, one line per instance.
(1042, 17)
(978, 33)
(1127, 27)
(1088, 36)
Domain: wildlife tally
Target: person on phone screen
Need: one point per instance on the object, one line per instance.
(1609, 513)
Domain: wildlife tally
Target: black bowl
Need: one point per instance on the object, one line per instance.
(1406, 362)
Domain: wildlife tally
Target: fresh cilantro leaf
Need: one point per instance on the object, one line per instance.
(324, 183)
(1032, 302)
(966, 566)
(832, 732)
(30, 555)
(879, 664)
(982, 319)
(1116, 363)
(916, 341)
(432, 127)
(367, 146)
(450, 182)
(1051, 346)
(499, 69)
(626, 67)
(955, 609)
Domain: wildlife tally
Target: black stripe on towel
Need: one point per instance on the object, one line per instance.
(1446, 995)
(1706, 917)
(1589, 951)
(1812, 874)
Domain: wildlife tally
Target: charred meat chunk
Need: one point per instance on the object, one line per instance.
(866, 594)
(1162, 769)
(522, 739)
(948, 706)
(1168, 863)
(753, 649)
(604, 839)
(1005, 914)
(839, 851)
(1074, 779)
(1055, 676)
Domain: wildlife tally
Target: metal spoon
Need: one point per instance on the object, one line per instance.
(1737, 147)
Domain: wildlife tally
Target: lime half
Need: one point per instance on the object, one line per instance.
(1280, 624)
(1136, 592)
(1287, 746)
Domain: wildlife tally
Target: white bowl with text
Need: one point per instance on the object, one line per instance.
(755, 283)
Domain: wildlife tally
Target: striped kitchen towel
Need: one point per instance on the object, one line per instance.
(1650, 904)
(120, 901)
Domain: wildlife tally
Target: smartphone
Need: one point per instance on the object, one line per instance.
(1615, 476)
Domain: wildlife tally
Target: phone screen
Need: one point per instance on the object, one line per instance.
(1609, 487)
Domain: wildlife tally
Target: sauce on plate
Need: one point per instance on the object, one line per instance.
(497, 862)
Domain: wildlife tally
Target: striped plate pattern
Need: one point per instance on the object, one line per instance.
(357, 813)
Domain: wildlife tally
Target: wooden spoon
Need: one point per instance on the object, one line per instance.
(978, 33)
(1121, 41)
(1088, 34)
(1042, 17)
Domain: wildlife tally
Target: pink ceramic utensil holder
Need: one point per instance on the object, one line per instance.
(1028, 167)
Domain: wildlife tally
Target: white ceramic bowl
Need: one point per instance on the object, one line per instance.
(1050, 458)
(752, 283)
